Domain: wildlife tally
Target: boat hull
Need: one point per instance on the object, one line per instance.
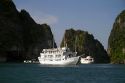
(85, 61)
(69, 61)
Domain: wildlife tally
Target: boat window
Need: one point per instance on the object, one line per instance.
(58, 60)
(45, 56)
(91, 59)
(50, 56)
(58, 55)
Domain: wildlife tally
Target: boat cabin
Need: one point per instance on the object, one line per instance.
(56, 54)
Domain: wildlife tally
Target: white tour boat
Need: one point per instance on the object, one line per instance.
(58, 56)
(87, 60)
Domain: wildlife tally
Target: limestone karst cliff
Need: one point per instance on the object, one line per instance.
(116, 41)
(20, 36)
(85, 45)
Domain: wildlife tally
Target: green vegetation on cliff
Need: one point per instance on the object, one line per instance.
(20, 36)
(85, 44)
(116, 42)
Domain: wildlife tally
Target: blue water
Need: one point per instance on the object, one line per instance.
(36, 73)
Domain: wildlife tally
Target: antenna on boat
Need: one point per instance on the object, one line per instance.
(66, 45)
(75, 43)
(53, 42)
(64, 41)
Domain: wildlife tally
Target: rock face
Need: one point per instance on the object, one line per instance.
(21, 38)
(116, 42)
(85, 45)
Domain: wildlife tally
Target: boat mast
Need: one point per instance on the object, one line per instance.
(53, 42)
(64, 41)
(75, 43)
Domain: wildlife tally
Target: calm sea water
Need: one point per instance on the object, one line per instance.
(36, 73)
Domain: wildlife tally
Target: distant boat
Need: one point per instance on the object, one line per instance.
(30, 61)
(58, 56)
(87, 60)
(27, 61)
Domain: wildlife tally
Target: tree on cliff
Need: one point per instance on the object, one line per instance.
(116, 42)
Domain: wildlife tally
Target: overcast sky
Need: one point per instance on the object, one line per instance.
(94, 16)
